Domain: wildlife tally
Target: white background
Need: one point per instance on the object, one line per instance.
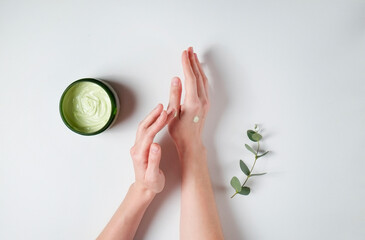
(295, 67)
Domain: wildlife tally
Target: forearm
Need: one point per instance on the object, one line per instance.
(126, 219)
(199, 216)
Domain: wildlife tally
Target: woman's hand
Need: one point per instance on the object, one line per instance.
(187, 126)
(146, 154)
(150, 179)
(199, 217)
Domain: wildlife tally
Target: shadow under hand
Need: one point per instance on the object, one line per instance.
(218, 104)
(170, 166)
(127, 100)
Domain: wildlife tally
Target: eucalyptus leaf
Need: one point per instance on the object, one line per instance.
(257, 174)
(258, 156)
(235, 183)
(250, 133)
(250, 149)
(256, 137)
(245, 191)
(244, 168)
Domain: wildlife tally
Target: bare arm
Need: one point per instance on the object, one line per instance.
(199, 216)
(149, 181)
(126, 219)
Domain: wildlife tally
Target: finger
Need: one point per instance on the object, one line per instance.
(157, 125)
(205, 79)
(154, 157)
(198, 76)
(145, 123)
(152, 116)
(147, 137)
(175, 94)
(171, 114)
(190, 82)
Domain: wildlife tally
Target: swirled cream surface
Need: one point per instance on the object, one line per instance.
(87, 107)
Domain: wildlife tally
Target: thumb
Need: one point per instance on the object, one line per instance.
(154, 158)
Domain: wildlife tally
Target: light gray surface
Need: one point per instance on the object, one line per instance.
(296, 67)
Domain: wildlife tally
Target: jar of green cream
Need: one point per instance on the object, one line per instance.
(89, 106)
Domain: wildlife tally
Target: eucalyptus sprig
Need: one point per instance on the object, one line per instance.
(254, 136)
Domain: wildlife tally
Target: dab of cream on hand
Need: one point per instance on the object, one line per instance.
(196, 119)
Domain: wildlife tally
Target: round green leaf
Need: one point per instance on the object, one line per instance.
(244, 168)
(250, 133)
(245, 191)
(235, 183)
(256, 137)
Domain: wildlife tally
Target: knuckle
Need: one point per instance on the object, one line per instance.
(141, 125)
(150, 132)
(195, 105)
(132, 151)
(205, 104)
(138, 159)
(135, 154)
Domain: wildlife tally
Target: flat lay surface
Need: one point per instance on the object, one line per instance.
(296, 68)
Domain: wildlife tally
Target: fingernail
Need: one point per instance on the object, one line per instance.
(154, 149)
(175, 82)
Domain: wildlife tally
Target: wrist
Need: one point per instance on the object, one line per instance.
(193, 153)
(190, 147)
(193, 164)
(142, 191)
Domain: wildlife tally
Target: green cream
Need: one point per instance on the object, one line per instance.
(87, 107)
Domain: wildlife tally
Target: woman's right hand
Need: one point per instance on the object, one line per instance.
(146, 154)
(186, 128)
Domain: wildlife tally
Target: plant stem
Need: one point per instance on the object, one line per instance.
(234, 195)
(254, 163)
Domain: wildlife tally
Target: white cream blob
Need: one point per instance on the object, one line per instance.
(196, 119)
